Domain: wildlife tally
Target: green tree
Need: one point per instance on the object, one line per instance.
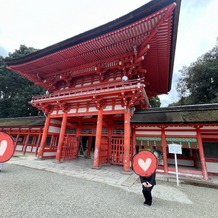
(16, 91)
(154, 101)
(199, 82)
(22, 51)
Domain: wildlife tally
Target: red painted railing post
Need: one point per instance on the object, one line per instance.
(44, 137)
(201, 153)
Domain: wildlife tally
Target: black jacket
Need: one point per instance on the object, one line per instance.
(151, 179)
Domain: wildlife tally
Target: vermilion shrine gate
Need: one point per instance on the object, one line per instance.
(97, 79)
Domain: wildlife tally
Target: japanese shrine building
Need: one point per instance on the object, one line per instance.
(98, 80)
(195, 127)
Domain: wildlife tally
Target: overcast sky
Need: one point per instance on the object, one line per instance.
(41, 23)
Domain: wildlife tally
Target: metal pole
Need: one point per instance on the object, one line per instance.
(177, 175)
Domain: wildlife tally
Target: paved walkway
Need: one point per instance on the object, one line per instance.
(109, 174)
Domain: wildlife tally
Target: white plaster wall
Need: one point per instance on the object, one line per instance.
(60, 112)
(82, 110)
(92, 109)
(181, 162)
(118, 107)
(19, 148)
(108, 108)
(54, 129)
(49, 154)
(28, 148)
(72, 111)
(148, 128)
(180, 133)
(212, 167)
(148, 133)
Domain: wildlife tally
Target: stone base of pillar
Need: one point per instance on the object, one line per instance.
(39, 158)
(58, 162)
(96, 168)
(127, 172)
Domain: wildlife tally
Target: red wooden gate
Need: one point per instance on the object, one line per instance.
(70, 147)
(103, 156)
(117, 151)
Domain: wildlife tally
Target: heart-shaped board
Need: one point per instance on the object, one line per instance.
(6, 147)
(144, 163)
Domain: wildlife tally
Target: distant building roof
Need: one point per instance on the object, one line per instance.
(22, 121)
(207, 113)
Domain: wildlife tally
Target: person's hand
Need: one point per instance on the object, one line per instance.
(147, 184)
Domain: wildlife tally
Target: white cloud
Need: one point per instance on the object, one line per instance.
(197, 34)
(42, 23)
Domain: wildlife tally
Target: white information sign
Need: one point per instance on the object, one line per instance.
(175, 148)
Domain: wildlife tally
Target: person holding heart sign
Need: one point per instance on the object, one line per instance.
(145, 164)
(147, 185)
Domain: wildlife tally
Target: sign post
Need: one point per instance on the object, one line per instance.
(175, 149)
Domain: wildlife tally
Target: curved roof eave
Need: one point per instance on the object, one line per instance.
(127, 19)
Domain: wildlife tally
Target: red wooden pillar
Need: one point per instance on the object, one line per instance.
(61, 136)
(88, 152)
(164, 148)
(37, 144)
(44, 136)
(201, 153)
(133, 141)
(18, 135)
(78, 129)
(26, 143)
(98, 139)
(110, 133)
(126, 156)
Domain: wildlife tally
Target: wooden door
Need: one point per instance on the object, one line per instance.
(103, 155)
(117, 151)
(70, 147)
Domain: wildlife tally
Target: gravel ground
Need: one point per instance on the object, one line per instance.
(34, 193)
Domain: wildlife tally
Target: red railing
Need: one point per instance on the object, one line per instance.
(93, 89)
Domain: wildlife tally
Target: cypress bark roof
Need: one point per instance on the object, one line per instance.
(207, 113)
(22, 121)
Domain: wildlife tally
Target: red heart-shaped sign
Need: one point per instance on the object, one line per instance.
(144, 163)
(6, 147)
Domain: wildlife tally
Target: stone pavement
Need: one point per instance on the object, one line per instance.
(109, 174)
